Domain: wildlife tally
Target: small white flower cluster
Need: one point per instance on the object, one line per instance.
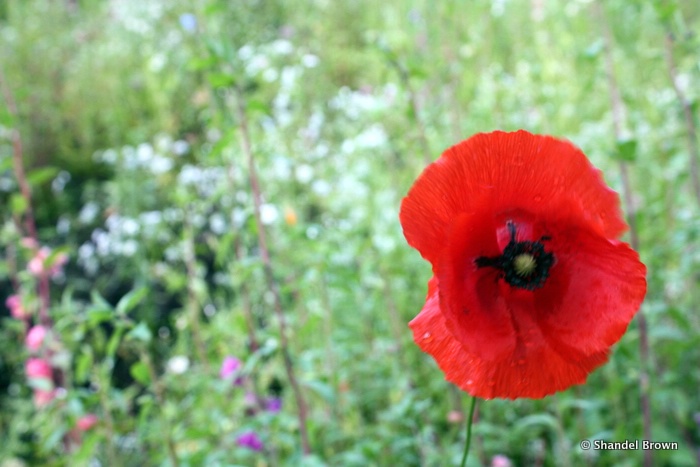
(278, 61)
(156, 160)
(206, 180)
(259, 60)
(137, 16)
(117, 240)
(356, 104)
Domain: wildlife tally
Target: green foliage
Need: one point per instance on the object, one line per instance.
(131, 116)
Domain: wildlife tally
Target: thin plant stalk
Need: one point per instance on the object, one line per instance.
(692, 144)
(43, 286)
(269, 274)
(468, 442)
(618, 110)
(691, 131)
(26, 193)
(17, 156)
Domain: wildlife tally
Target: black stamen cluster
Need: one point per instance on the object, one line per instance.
(506, 262)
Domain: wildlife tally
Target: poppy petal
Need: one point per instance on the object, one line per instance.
(593, 291)
(544, 372)
(507, 171)
(599, 286)
(431, 334)
(531, 287)
(546, 339)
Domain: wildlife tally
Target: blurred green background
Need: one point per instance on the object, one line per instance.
(134, 119)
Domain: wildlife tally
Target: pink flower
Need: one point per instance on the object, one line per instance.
(17, 310)
(230, 368)
(38, 368)
(499, 460)
(455, 416)
(35, 338)
(86, 422)
(29, 242)
(37, 265)
(13, 301)
(42, 398)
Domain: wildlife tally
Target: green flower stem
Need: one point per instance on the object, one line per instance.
(469, 432)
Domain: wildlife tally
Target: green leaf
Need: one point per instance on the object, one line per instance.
(224, 248)
(257, 106)
(197, 64)
(87, 449)
(139, 371)
(418, 71)
(129, 301)
(97, 316)
(322, 389)
(532, 422)
(213, 9)
(6, 117)
(99, 311)
(114, 341)
(665, 10)
(221, 80)
(83, 365)
(679, 317)
(5, 164)
(140, 333)
(41, 175)
(99, 301)
(18, 204)
(626, 150)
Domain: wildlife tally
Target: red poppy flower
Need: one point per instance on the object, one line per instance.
(531, 287)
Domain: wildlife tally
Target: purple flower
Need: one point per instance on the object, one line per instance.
(230, 367)
(250, 440)
(273, 404)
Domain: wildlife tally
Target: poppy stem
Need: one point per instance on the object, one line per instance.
(470, 418)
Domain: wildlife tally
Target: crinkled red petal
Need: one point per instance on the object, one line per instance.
(593, 291)
(548, 368)
(431, 335)
(542, 341)
(518, 170)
